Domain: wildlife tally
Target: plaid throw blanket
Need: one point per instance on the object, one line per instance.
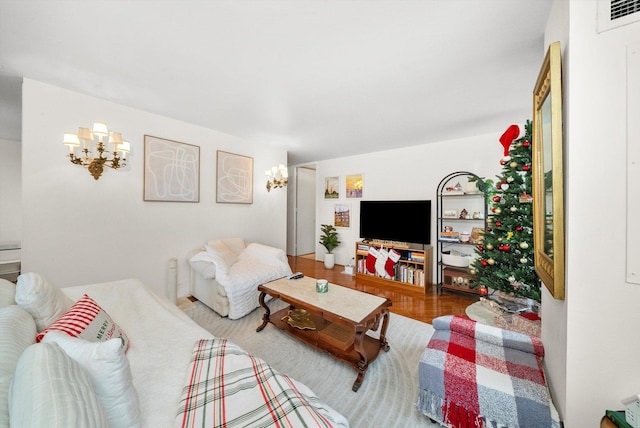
(227, 387)
(475, 375)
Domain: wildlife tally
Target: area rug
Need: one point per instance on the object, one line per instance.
(390, 389)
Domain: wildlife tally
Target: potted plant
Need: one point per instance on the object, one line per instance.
(329, 240)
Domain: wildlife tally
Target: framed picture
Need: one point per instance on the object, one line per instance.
(171, 171)
(342, 215)
(234, 178)
(355, 185)
(331, 185)
(450, 213)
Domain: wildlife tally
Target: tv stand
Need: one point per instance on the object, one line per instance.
(414, 270)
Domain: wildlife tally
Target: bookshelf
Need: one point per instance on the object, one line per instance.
(414, 270)
(462, 213)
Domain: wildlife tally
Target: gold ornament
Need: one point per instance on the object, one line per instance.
(513, 208)
(491, 261)
(489, 246)
(524, 245)
(498, 210)
(473, 271)
(523, 260)
(513, 164)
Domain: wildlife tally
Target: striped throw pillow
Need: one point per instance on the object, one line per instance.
(86, 319)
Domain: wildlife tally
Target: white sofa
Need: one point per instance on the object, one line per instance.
(66, 381)
(225, 274)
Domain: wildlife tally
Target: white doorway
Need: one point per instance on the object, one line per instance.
(305, 211)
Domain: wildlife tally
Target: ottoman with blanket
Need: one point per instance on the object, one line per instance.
(476, 375)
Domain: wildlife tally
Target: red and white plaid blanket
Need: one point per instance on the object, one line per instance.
(475, 375)
(227, 387)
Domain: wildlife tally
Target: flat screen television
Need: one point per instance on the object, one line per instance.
(404, 221)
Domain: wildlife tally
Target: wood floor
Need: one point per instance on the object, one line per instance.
(416, 305)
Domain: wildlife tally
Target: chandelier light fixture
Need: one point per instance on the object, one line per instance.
(100, 148)
(277, 177)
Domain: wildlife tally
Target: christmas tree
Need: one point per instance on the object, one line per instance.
(505, 257)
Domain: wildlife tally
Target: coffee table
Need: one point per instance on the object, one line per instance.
(341, 317)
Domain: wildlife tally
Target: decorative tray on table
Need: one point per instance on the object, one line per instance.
(299, 318)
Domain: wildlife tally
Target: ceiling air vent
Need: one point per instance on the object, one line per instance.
(616, 13)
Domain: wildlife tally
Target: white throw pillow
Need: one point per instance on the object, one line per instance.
(110, 375)
(42, 300)
(218, 248)
(235, 244)
(7, 293)
(17, 333)
(51, 390)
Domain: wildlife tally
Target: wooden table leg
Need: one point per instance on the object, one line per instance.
(363, 364)
(383, 333)
(267, 312)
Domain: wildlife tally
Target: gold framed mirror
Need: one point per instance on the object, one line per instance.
(547, 178)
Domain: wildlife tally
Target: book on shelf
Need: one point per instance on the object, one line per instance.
(445, 236)
(415, 256)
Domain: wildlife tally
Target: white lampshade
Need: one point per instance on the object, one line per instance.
(115, 138)
(100, 128)
(71, 139)
(268, 173)
(124, 147)
(85, 134)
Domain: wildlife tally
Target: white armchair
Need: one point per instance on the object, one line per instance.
(225, 274)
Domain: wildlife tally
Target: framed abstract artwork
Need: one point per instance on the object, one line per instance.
(234, 178)
(355, 185)
(171, 171)
(331, 187)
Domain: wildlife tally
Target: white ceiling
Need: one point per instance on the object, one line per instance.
(319, 78)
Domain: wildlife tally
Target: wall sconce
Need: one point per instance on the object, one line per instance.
(277, 177)
(93, 140)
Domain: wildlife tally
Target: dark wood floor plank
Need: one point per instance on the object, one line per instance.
(416, 305)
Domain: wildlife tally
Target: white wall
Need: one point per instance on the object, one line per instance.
(10, 194)
(408, 173)
(592, 335)
(77, 230)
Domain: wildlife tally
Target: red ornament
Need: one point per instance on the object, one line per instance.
(526, 144)
(483, 262)
(480, 248)
(526, 167)
(498, 223)
(519, 228)
(496, 198)
(488, 229)
(506, 247)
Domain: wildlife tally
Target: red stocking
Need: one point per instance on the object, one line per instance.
(371, 259)
(394, 256)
